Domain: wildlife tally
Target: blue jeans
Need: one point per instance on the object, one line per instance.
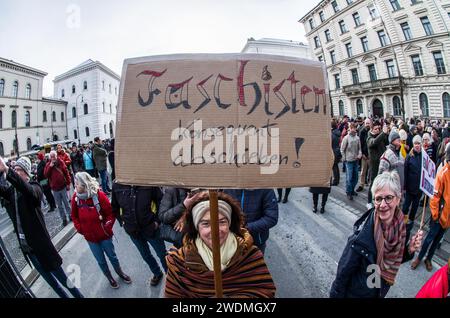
(53, 277)
(434, 236)
(413, 201)
(352, 176)
(158, 245)
(104, 180)
(99, 250)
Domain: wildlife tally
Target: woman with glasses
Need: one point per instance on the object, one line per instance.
(374, 252)
(191, 269)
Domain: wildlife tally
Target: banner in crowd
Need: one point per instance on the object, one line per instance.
(427, 175)
(223, 121)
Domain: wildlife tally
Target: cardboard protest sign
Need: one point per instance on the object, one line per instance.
(427, 175)
(223, 121)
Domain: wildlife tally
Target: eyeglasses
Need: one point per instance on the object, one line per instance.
(388, 199)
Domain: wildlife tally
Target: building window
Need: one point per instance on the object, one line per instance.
(397, 106)
(14, 119)
(446, 104)
(1, 119)
(426, 25)
(2, 87)
(62, 116)
(311, 23)
(103, 85)
(110, 108)
(383, 38)
(322, 16)
(349, 2)
(104, 128)
(372, 72)
(342, 27)
(357, 19)
(103, 104)
(15, 89)
(86, 109)
(321, 58)
(365, 43)
(28, 144)
(2, 150)
(54, 116)
(328, 35)
(439, 61)
(110, 89)
(87, 131)
(115, 89)
(423, 101)
(73, 89)
(74, 112)
(373, 11)
(27, 119)
(337, 81)
(391, 69)
(395, 5)
(341, 108)
(44, 116)
(406, 31)
(348, 48)
(333, 57)
(316, 42)
(75, 134)
(359, 107)
(62, 93)
(355, 77)
(28, 91)
(335, 6)
(417, 65)
(85, 85)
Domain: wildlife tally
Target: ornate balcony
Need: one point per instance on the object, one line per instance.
(378, 85)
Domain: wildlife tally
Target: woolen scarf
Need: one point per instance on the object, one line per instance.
(390, 242)
(227, 251)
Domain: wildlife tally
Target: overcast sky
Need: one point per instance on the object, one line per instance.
(57, 35)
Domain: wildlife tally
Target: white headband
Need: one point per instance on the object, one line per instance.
(199, 210)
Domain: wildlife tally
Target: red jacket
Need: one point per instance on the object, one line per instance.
(64, 156)
(86, 218)
(436, 286)
(58, 175)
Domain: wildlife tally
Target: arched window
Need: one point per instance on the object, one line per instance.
(359, 107)
(44, 116)
(15, 89)
(111, 129)
(103, 104)
(62, 116)
(85, 85)
(104, 128)
(63, 93)
(27, 119)
(110, 108)
(14, 119)
(87, 131)
(423, 102)
(28, 144)
(1, 119)
(73, 89)
(28, 91)
(75, 134)
(341, 108)
(74, 112)
(53, 116)
(446, 104)
(86, 109)
(2, 151)
(397, 106)
(2, 87)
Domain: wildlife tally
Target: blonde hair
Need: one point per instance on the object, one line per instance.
(90, 184)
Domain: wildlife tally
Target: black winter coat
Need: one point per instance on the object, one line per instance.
(29, 196)
(363, 134)
(172, 208)
(413, 168)
(136, 204)
(335, 137)
(353, 269)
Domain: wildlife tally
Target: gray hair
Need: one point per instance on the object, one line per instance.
(53, 152)
(390, 179)
(90, 184)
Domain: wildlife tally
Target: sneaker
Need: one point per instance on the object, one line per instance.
(360, 188)
(369, 206)
(314, 209)
(350, 197)
(113, 283)
(415, 263)
(428, 265)
(156, 279)
(125, 278)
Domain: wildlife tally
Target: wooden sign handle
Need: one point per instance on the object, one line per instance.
(214, 212)
(423, 213)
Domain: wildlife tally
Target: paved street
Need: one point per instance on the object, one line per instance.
(302, 253)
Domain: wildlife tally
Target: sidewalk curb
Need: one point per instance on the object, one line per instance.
(30, 275)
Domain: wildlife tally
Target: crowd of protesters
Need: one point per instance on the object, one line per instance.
(381, 155)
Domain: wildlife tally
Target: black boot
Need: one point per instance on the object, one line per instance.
(285, 200)
(124, 276)
(322, 210)
(112, 281)
(315, 209)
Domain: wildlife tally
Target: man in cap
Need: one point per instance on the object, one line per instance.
(24, 209)
(391, 158)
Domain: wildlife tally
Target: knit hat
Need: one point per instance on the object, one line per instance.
(393, 136)
(41, 156)
(417, 139)
(199, 210)
(411, 128)
(25, 164)
(403, 134)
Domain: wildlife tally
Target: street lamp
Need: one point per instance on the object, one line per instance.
(76, 113)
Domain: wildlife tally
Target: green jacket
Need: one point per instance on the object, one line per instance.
(100, 156)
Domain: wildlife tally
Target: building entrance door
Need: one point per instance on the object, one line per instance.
(377, 108)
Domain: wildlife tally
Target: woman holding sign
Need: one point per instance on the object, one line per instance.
(191, 271)
(374, 252)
